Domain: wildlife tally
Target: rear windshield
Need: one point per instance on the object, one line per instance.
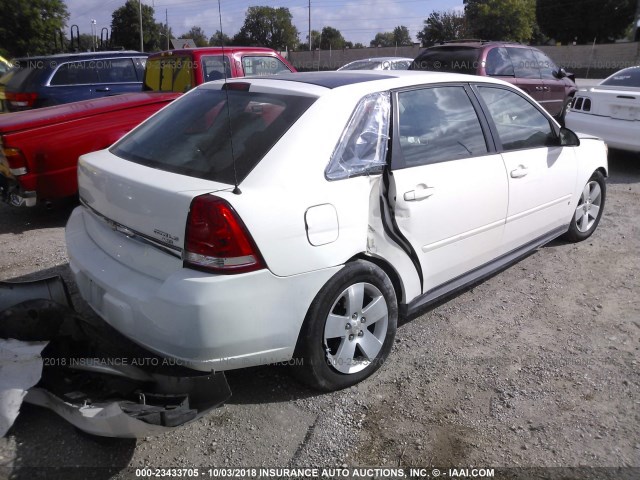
(629, 77)
(24, 74)
(449, 59)
(202, 135)
(362, 65)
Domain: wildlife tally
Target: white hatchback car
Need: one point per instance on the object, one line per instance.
(610, 110)
(266, 219)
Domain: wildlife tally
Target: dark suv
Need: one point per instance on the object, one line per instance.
(51, 80)
(524, 66)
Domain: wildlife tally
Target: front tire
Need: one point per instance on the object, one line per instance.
(349, 329)
(589, 210)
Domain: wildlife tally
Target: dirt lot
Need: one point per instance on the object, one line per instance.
(537, 366)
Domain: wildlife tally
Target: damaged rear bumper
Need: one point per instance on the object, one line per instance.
(97, 379)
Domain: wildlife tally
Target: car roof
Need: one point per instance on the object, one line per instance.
(319, 83)
(207, 50)
(381, 59)
(478, 44)
(83, 55)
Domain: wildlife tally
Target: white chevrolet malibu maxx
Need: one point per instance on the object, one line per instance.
(265, 219)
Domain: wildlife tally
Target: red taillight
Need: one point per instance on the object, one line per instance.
(216, 240)
(21, 100)
(15, 159)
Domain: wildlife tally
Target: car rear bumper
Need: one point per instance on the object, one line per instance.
(207, 321)
(620, 134)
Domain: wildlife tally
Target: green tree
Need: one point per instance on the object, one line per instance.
(359, 45)
(28, 27)
(582, 21)
(331, 38)
(383, 39)
(401, 37)
(125, 27)
(442, 26)
(197, 35)
(219, 39)
(268, 27)
(315, 37)
(508, 20)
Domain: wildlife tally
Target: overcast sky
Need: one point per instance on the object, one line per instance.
(358, 20)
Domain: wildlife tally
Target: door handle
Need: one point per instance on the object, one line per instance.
(105, 89)
(519, 172)
(420, 193)
(538, 89)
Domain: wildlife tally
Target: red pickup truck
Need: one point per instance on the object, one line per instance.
(39, 149)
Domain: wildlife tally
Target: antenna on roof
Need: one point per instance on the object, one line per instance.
(236, 189)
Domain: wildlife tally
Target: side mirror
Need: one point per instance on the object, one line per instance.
(568, 138)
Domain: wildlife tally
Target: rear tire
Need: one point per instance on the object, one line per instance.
(589, 210)
(349, 329)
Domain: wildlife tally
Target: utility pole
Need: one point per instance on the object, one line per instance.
(141, 34)
(166, 22)
(310, 24)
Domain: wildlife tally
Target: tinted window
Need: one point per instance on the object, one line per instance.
(116, 70)
(438, 124)
(215, 67)
(76, 73)
(191, 136)
(629, 77)
(524, 62)
(519, 123)
(448, 59)
(546, 65)
(263, 66)
(499, 63)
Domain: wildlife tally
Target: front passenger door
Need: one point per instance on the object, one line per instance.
(448, 189)
(542, 174)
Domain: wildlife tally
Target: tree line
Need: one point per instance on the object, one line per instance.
(33, 27)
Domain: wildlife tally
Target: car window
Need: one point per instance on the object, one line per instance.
(191, 135)
(263, 65)
(546, 65)
(215, 67)
(499, 63)
(437, 124)
(362, 148)
(76, 73)
(629, 77)
(524, 62)
(140, 63)
(519, 123)
(116, 70)
(448, 59)
(169, 74)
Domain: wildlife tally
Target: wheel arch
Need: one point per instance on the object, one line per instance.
(387, 268)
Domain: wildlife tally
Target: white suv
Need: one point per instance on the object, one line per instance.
(262, 219)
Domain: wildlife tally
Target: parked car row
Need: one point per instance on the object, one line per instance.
(37, 167)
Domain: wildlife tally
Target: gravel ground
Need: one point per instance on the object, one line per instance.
(536, 366)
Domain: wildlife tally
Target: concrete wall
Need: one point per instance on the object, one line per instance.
(585, 61)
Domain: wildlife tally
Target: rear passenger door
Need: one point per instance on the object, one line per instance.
(71, 82)
(448, 188)
(116, 75)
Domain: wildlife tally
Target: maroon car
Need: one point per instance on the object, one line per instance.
(524, 66)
